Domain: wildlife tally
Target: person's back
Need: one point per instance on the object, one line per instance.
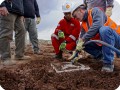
(31, 9)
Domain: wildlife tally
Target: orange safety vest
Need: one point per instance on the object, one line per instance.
(109, 23)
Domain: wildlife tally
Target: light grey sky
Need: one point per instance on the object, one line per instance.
(51, 14)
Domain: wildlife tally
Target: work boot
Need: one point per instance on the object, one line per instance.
(108, 68)
(38, 52)
(99, 58)
(8, 62)
(59, 55)
(23, 58)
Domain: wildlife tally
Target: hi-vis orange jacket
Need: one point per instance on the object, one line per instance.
(109, 23)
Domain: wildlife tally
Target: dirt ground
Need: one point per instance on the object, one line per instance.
(37, 74)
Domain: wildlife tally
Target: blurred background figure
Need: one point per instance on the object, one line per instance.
(31, 11)
(105, 5)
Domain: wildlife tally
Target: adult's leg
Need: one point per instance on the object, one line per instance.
(19, 37)
(33, 35)
(6, 31)
(71, 46)
(111, 37)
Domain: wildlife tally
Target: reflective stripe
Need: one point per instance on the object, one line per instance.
(90, 18)
(54, 35)
(71, 36)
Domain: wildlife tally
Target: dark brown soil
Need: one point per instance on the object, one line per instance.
(37, 74)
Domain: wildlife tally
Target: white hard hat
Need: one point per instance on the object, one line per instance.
(67, 6)
(76, 5)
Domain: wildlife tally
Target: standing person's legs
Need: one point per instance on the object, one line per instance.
(19, 37)
(33, 35)
(111, 37)
(6, 31)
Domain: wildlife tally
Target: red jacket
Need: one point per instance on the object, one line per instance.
(70, 28)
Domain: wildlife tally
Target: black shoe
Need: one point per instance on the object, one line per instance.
(58, 56)
(108, 68)
(8, 62)
(38, 52)
(99, 58)
(22, 58)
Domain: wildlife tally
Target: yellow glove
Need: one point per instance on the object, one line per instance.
(73, 55)
(75, 60)
(38, 20)
(108, 11)
(79, 46)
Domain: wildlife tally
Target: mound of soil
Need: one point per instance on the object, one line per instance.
(37, 74)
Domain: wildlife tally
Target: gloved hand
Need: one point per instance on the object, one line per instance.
(75, 60)
(62, 46)
(79, 46)
(61, 34)
(38, 20)
(74, 54)
(108, 11)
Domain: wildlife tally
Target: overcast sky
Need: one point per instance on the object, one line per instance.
(51, 14)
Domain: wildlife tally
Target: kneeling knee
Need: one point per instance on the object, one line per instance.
(104, 29)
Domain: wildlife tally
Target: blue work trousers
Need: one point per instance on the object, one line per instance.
(109, 36)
